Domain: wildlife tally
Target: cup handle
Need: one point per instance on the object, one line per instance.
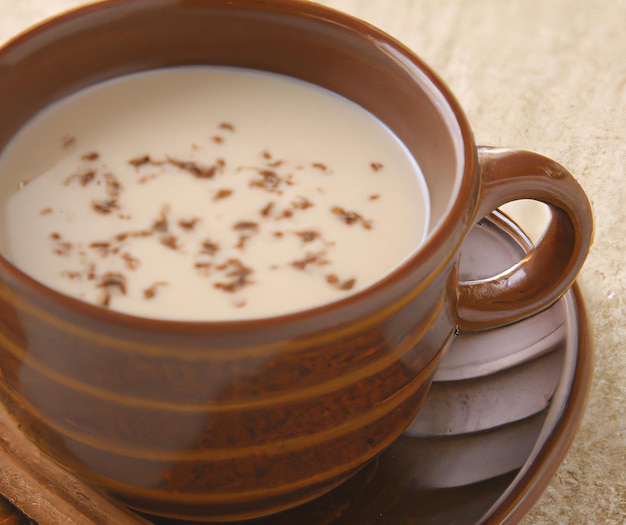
(550, 268)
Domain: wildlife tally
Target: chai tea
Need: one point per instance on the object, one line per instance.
(209, 193)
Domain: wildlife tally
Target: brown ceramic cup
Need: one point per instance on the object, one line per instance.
(233, 420)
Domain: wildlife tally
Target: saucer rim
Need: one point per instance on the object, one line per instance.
(521, 495)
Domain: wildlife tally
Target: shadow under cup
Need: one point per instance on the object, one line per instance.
(233, 420)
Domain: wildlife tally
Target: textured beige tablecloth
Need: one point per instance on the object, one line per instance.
(546, 75)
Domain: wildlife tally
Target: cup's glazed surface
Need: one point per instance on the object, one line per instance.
(232, 420)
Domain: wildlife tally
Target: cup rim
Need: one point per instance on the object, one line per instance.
(453, 223)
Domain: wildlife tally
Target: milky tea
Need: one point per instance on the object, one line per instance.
(208, 193)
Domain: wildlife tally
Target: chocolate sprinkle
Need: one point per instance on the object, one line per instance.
(351, 217)
(94, 155)
(105, 207)
(200, 172)
(137, 162)
(150, 293)
(239, 274)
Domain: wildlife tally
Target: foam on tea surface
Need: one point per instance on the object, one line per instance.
(209, 194)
